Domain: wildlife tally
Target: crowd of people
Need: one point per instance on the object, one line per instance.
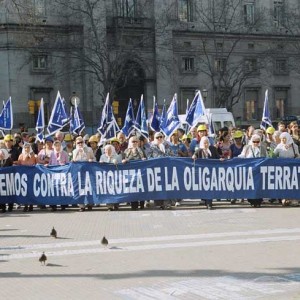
(23, 149)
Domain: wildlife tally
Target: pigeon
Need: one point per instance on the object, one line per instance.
(43, 258)
(53, 233)
(104, 241)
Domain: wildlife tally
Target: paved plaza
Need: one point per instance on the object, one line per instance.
(231, 252)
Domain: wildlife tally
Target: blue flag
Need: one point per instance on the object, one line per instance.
(59, 117)
(76, 123)
(141, 119)
(196, 110)
(266, 118)
(6, 116)
(163, 116)
(172, 121)
(155, 121)
(40, 123)
(108, 126)
(129, 122)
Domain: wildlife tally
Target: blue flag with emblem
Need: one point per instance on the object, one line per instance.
(196, 110)
(40, 123)
(129, 122)
(59, 117)
(108, 126)
(6, 116)
(141, 119)
(76, 124)
(155, 121)
(266, 118)
(172, 121)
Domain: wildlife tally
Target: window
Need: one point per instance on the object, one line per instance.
(281, 95)
(220, 64)
(40, 7)
(278, 13)
(249, 13)
(188, 64)
(251, 96)
(185, 10)
(127, 8)
(40, 62)
(250, 46)
(251, 65)
(281, 66)
(220, 46)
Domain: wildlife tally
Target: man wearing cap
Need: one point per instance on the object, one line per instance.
(13, 151)
(237, 146)
(69, 145)
(202, 131)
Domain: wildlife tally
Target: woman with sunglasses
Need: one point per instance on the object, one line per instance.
(83, 153)
(160, 148)
(254, 149)
(134, 152)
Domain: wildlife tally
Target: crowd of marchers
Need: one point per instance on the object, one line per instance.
(23, 149)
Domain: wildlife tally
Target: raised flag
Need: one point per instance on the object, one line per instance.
(266, 118)
(196, 110)
(129, 122)
(76, 123)
(40, 123)
(141, 119)
(172, 121)
(6, 116)
(108, 126)
(59, 117)
(155, 121)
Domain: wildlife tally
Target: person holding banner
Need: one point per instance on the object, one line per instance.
(206, 151)
(134, 152)
(27, 158)
(159, 148)
(5, 161)
(44, 155)
(83, 153)
(110, 156)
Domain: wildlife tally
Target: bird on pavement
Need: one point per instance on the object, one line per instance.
(43, 258)
(104, 241)
(53, 233)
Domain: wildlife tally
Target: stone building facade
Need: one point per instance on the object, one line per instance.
(231, 50)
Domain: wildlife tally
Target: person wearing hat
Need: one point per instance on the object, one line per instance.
(270, 141)
(116, 143)
(93, 143)
(236, 147)
(13, 151)
(5, 161)
(201, 131)
(44, 155)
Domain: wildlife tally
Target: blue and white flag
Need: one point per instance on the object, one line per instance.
(155, 121)
(129, 122)
(40, 123)
(187, 106)
(76, 123)
(6, 116)
(108, 126)
(266, 118)
(163, 116)
(141, 119)
(59, 117)
(196, 110)
(172, 121)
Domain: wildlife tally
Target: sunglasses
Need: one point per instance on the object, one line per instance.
(159, 137)
(134, 141)
(256, 142)
(79, 143)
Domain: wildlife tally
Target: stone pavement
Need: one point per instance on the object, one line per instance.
(231, 252)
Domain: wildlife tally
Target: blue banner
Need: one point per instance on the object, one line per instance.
(161, 178)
